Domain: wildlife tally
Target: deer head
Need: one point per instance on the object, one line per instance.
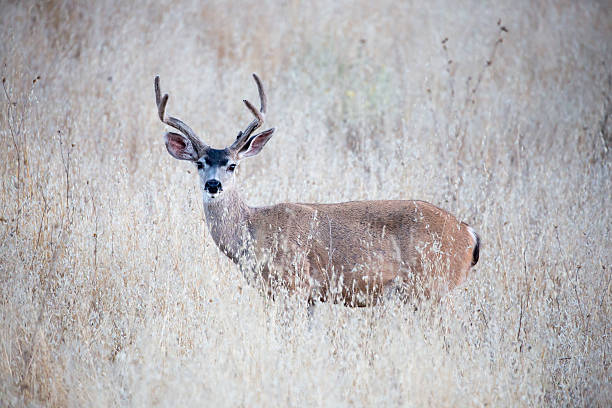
(216, 167)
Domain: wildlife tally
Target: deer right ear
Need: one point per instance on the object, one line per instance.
(180, 147)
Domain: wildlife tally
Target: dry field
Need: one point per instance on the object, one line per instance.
(113, 294)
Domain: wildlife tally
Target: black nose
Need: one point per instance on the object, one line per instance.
(212, 186)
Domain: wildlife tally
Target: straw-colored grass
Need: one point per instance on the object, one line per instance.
(113, 294)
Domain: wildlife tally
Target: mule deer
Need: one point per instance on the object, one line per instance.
(352, 253)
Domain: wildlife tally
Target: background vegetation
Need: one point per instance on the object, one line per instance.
(113, 294)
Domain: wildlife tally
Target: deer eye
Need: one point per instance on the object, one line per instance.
(231, 167)
(199, 165)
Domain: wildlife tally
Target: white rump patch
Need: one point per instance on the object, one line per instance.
(473, 234)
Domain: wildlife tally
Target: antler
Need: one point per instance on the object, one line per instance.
(243, 135)
(178, 124)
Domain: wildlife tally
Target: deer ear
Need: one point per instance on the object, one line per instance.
(180, 147)
(255, 144)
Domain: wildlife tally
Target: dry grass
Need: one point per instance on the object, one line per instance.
(112, 293)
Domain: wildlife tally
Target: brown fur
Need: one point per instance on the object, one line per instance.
(349, 252)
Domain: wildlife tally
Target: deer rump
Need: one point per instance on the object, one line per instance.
(359, 252)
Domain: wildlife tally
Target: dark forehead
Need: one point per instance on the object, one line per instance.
(217, 157)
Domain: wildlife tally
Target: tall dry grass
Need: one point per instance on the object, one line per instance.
(113, 294)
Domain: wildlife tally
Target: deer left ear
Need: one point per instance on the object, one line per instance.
(255, 143)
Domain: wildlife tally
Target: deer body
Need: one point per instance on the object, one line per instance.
(353, 252)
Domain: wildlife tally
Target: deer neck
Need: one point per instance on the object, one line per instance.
(228, 223)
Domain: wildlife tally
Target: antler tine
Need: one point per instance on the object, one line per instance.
(243, 136)
(174, 122)
(262, 94)
(161, 103)
(257, 122)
